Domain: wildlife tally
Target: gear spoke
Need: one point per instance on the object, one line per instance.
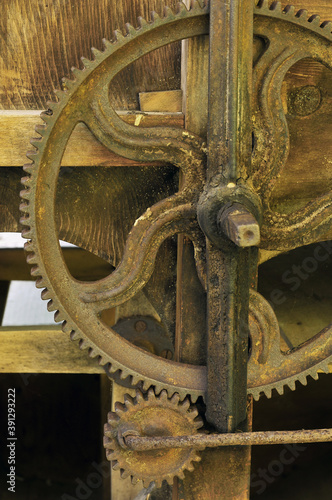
(271, 129)
(167, 144)
(150, 230)
(297, 228)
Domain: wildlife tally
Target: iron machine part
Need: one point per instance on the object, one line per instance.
(146, 333)
(85, 99)
(155, 438)
(151, 415)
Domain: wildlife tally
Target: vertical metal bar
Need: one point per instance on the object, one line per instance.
(229, 155)
(222, 473)
(230, 84)
(228, 298)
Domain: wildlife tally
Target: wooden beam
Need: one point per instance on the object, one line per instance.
(17, 128)
(38, 350)
(83, 265)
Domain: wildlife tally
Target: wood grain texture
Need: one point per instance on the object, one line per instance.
(194, 82)
(41, 40)
(17, 128)
(96, 208)
(37, 350)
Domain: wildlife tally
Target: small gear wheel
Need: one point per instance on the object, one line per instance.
(151, 415)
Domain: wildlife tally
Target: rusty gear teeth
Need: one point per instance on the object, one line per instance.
(50, 116)
(137, 414)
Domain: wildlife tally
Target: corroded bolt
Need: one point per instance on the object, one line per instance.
(140, 326)
(239, 225)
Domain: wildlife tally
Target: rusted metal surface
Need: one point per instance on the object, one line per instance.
(174, 214)
(241, 175)
(191, 296)
(229, 156)
(151, 415)
(239, 225)
(147, 333)
(85, 99)
(139, 443)
(288, 44)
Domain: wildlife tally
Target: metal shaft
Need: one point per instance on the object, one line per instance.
(230, 87)
(229, 155)
(235, 439)
(191, 328)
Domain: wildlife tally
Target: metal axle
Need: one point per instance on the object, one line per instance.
(140, 443)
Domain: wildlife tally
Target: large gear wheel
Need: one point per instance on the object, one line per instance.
(78, 305)
(151, 416)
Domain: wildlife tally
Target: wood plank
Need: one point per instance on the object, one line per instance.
(194, 83)
(42, 40)
(83, 265)
(37, 350)
(17, 128)
(10, 187)
(168, 101)
(208, 480)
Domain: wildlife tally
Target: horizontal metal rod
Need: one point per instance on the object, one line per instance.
(138, 443)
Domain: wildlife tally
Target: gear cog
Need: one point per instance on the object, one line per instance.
(151, 415)
(78, 305)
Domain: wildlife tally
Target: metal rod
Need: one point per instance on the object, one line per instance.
(235, 439)
(229, 156)
(230, 86)
(192, 327)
